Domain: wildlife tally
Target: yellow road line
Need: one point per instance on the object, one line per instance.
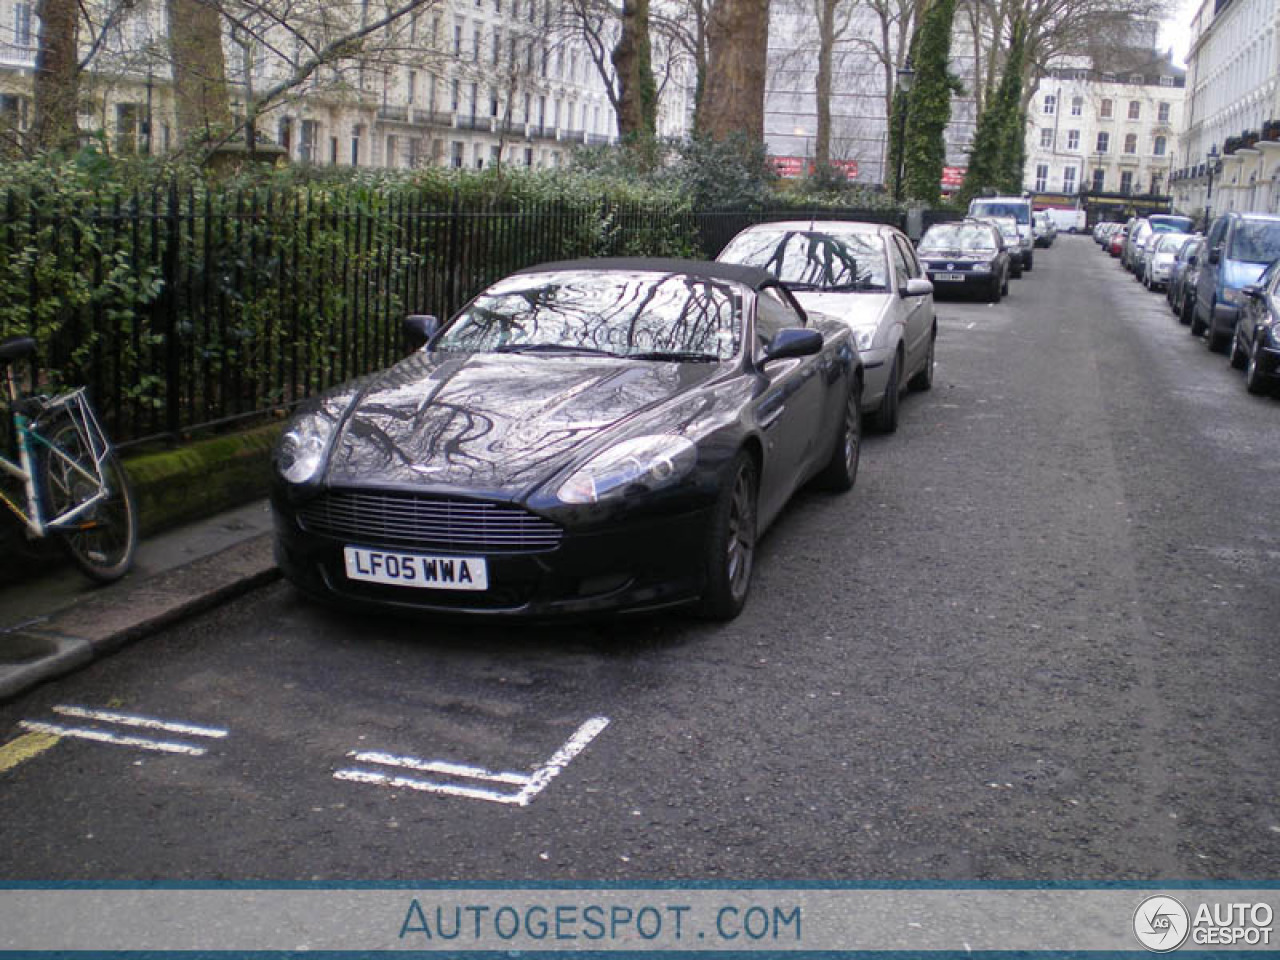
(24, 748)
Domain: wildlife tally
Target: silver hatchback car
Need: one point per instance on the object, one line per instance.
(866, 275)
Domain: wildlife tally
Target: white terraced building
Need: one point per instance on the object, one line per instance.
(1233, 114)
(475, 80)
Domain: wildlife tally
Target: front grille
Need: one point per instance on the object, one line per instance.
(428, 523)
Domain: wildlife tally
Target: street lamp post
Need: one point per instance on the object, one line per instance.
(1208, 194)
(906, 76)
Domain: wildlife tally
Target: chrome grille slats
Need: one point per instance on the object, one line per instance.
(416, 522)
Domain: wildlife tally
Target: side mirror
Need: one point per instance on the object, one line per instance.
(419, 328)
(916, 287)
(1192, 260)
(1215, 255)
(793, 342)
(1252, 291)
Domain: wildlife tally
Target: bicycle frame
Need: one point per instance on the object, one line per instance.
(76, 406)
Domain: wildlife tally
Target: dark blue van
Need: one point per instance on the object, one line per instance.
(1238, 248)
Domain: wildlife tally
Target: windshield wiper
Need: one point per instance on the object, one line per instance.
(856, 286)
(800, 285)
(552, 348)
(676, 356)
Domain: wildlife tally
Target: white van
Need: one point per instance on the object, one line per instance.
(1067, 221)
(1017, 207)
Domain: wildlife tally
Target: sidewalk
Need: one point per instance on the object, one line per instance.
(62, 621)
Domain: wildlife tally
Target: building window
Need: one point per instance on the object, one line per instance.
(475, 48)
(1166, 81)
(475, 98)
(1162, 113)
(1105, 109)
(413, 86)
(1046, 138)
(392, 158)
(1135, 110)
(1099, 180)
(493, 102)
(1069, 180)
(456, 153)
(1131, 143)
(333, 151)
(457, 40)
(528, 157)
(455, 96)
(1126, 182)
(22, 24)
(1158, 149)
(1104, 142)
(497, 46)
(1077, 106)
(1042, 177)
(128, 124)
(1050, 103)
(1073, 140)
(307, 141)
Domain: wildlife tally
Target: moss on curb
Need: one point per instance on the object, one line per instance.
(202, 478)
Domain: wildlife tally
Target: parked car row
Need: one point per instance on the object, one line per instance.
(604, 436)
(993, 244)
(1225, 285)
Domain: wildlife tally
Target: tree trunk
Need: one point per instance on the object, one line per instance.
(738, 44)
(199, 71)
(822, 83)
(633, 62)
(57, 78)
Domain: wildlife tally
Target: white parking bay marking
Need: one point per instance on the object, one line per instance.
(101, 736)
(132, 720)
(530, 785)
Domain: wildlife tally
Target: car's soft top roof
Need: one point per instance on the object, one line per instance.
(753, 277)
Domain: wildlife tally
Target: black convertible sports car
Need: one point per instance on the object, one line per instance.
(591, 436)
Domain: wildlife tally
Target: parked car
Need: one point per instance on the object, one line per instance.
(1186, 300)
(1008, 228)
(1171, 222)
(1134, 238)
(1239, 247)
(1019, 208)
(583, 437)
(1115, 243)
(1174, 290)
(966, 256)
(1142, 231)
(1045, 231)
(866, 275)
(1158, 260)
(1255, 345)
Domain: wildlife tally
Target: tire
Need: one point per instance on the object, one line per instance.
(731, 543)
(841, 471)
(886, 418)
(1254, 381)
(1187, 310)
(1029, 264)
(102, 540)
(1238, 358)
(1004, 287)
(923, 379)
(1198, 326)
(1015, 270)
(1217, 340)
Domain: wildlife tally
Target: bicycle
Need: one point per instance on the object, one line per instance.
(73, 484)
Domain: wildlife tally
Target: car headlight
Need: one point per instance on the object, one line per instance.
(300, 456)
(1272, 332)
(863, 337)
(1232, 295)
(648, 463)
(981, 267)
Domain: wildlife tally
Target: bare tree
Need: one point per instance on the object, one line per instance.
(57, 75)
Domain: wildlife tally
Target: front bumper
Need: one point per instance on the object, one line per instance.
(641, 564)
(1269, 362)
(961, 279)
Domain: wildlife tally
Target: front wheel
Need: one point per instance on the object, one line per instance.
(1254, 381)
(841, 471)
(886, 418)
(731, 545)
(102, 539)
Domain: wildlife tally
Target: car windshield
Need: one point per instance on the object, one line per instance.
(1021, 212)
(1164, 222)
(814, 259)
(1008, 228)
(958, 236)
(1256, 242)
(658, 316)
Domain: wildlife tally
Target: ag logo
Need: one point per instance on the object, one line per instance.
(1161, 924)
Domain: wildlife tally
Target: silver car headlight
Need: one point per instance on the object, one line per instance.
(649, 463)
(864, 337)
(300, 456)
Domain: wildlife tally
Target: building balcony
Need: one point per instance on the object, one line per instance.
(398, 114)
(433, 118)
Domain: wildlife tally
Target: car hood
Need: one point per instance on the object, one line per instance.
(861, 312)
(493, 423)
(950, 256)
(1240, 273)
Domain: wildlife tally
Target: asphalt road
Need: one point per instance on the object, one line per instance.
(1038, 641)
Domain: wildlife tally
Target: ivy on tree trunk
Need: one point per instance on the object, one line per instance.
(999, 151)
(57, 76)
(929, 104)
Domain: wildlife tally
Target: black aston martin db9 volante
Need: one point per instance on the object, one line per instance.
(583, 437)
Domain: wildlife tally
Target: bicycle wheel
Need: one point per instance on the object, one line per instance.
(101, 540)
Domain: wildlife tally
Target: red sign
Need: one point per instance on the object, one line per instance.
(953, 176)
(792, 168)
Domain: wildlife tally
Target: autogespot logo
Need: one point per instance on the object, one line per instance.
(1161, 924)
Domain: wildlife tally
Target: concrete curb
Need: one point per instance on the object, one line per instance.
(122, 613)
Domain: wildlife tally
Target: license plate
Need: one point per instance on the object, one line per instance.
(416, 570)
(948, 276)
